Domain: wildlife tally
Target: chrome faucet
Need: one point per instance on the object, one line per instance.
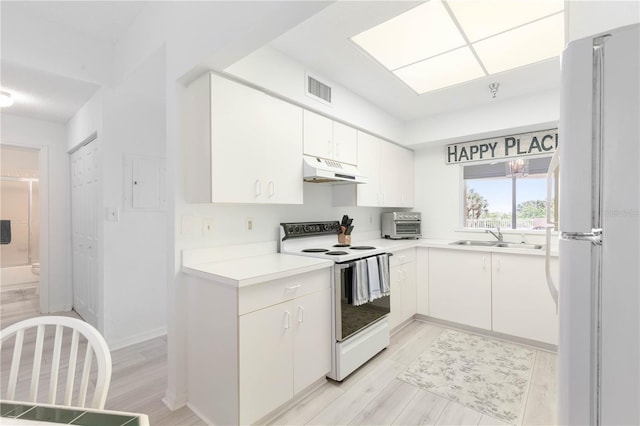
(499, 235)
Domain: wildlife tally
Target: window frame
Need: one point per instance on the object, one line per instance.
(511, 230)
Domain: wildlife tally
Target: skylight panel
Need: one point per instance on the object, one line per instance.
(481, 19)
(531, 43)
(441, 71)
(446, 42)
(424, 31)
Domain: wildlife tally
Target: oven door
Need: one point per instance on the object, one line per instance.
(351, 319)
(407, 229)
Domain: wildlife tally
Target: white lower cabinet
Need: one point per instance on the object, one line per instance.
(402, 271)
(522, 305)
(252, 349)
(422, 281)
(282, 352)
(503, 292)
(460, 286)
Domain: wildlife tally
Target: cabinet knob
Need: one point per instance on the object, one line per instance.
(272, 189)
(258, 187)
(300, 314)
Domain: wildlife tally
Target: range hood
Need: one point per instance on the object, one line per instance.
(320, 170)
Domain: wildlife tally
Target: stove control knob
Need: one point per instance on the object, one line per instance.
(290, 230)
(297, 230)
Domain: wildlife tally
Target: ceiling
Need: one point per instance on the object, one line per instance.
(43, 93)
(322, 43)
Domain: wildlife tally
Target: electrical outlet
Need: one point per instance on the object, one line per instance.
(113, 214)
(249, 224)
(207, 226)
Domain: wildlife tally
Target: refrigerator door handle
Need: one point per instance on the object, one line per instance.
(551, 174)
(595, 236)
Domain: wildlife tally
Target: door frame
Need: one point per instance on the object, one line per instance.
(43, 180)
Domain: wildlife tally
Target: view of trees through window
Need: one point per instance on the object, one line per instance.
(493, 202)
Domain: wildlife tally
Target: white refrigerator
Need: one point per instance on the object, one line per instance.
(598, 350)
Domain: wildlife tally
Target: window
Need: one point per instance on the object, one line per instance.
(494, 196)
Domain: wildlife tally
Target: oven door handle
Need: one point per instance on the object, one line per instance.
(341, 266)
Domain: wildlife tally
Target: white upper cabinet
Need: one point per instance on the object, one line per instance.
(243, 146)
(367, 194)
(389, 170)
(329, 139)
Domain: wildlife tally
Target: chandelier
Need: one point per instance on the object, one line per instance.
(517, 168)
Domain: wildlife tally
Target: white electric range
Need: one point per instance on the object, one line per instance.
(359, 331)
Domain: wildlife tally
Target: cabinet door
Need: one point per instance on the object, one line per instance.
(395, 316)
(318, 135)
(256, 146)
(522, 305)
(266, 359)
(345, 143)
(390, 174)
(312, 338)
(409, 289)
(460, 286)
(422, 281)
(405, 170)
(237, 152)
(281, 166)
(369, 165)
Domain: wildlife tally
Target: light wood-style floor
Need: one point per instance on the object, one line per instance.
(371, 396)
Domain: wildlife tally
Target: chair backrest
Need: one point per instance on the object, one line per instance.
(75, 334)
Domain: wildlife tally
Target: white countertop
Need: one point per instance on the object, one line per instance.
(395, 245)
(252, 270)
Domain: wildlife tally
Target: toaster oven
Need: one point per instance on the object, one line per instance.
(399, 225)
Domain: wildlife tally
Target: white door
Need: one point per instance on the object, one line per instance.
(85, 180)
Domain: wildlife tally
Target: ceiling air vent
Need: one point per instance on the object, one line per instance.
(318, 89)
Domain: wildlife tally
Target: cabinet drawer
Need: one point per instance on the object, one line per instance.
(402, 256)
(270, 293)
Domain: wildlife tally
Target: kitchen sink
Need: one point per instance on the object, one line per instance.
(519, 246)
(475, 243)
(497, 244)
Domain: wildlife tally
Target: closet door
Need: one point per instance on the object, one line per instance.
(85, 190)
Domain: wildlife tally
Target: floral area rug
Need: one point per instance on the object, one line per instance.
(484, 374)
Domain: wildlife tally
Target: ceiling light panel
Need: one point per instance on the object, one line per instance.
(422, 32)
(441, 71)
(481, 19)
(525, 45)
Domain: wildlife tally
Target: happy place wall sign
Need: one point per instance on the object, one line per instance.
(521, 145)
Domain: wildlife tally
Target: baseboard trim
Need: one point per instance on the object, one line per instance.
(136, 338)
(506, 337)
(173, 402)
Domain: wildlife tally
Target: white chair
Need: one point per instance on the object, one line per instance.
(82, 334)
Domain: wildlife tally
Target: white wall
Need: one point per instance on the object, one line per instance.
(501, 117)
(43, 44)
(585, 18)
(134, 247)
(193, 33)
(274, 71)
(86, 121)
(55, 246)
